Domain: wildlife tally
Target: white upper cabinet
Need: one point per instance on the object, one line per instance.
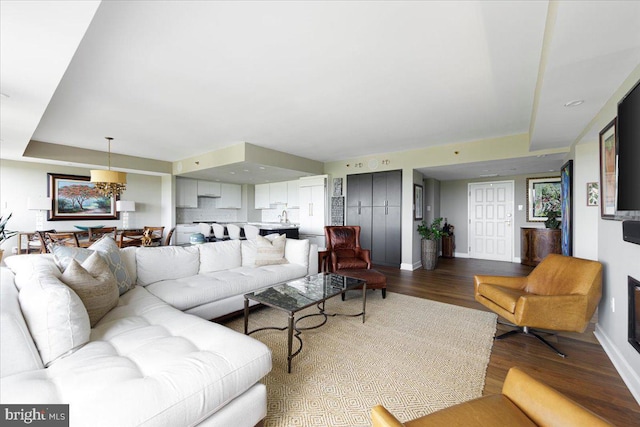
(209, 189)
(262, 196)
(230, 196)
(293, 194)
(186, 193)
(278, 193)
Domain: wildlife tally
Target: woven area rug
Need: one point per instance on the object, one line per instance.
(412, 355)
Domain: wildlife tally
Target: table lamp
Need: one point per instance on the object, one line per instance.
(40, 204)
(125, 206)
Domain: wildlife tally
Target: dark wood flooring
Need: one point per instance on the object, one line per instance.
(586, 375)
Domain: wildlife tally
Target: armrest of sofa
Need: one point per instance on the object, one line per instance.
(544, 405)
(313, 259)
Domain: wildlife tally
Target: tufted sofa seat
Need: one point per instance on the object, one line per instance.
(148, 362)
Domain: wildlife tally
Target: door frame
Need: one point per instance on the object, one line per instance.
(513, 233)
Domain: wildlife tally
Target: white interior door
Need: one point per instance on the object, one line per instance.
(491, 220)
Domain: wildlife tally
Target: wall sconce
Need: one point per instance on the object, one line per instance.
(42, 205)
(386, 162)
(125, 206)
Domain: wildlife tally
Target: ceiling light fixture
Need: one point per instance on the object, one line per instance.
(109, 183)
(574, 103)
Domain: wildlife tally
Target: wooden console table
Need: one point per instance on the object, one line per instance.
(537, 243)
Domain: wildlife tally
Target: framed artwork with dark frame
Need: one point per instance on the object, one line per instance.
(608, 171)
(74, 197)
(566, 207)
(418, 199)
(543, 195)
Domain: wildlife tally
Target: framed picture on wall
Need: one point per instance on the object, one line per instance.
(593, 193)
(566, 208)
(608, 171)
(76, 198)
(543, 195)
(418, 201)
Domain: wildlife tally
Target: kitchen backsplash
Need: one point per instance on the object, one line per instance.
(272, 215)
(206, 211)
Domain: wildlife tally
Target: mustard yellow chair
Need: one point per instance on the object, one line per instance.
(560, 294)
(524, 401)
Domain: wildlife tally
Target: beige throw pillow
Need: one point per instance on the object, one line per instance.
(95, 284)
(270, 252)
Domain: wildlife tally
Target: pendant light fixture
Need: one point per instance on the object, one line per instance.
(109, 183)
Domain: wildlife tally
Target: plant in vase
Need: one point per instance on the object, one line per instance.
(430, 234)
(552, 219)
(5, 234)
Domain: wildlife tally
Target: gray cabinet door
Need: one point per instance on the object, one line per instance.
(363, 217)
(359, 190)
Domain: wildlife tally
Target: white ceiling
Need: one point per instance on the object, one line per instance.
(322, 80)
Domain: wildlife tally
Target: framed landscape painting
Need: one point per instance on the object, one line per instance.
(76, 198)
(543, 195)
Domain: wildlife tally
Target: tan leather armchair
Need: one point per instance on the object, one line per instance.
(560, 294)
(524, 401)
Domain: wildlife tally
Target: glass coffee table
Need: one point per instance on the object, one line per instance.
(296, 295)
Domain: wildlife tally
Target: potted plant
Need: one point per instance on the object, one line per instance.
(5, 234)
(552, 219)
(430, 233)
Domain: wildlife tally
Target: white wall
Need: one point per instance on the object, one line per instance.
(21, 180)
(585, 225)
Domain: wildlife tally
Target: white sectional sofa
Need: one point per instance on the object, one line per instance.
(152, 360)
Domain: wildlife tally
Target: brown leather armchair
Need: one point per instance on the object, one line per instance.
(343, 246)
(524, 401)
(560, 294)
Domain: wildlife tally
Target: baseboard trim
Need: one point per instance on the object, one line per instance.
(628, 375)
(411, 267)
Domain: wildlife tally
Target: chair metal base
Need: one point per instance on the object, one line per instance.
(525, 330)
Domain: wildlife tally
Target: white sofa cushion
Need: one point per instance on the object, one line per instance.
(218, 256)
(56, 317)
(18, 352)
(108, 250)
(190, 292)
(166, 262)
(95, 285)
(147, 364)
(28, 267)
(270, 252)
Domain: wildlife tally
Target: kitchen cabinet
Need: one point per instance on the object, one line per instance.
(374, 202)
(184, 231)
(261, 200)
(230, 196)
(293, 196)
(278, 193)
(537, 243)
(186, 193)
(313, 205)
(209, 189)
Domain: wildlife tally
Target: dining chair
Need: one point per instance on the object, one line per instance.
(61, 239)
(156, 234)
(234, 231)
(251, 231)
(205, 229)
(167, 241)
(96, 233)
(218, 232)
(130, 238)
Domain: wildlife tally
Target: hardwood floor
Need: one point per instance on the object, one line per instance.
(586, 375)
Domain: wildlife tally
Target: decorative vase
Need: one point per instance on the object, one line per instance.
(429, 254)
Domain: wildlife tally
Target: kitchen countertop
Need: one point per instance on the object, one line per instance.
(274, 225)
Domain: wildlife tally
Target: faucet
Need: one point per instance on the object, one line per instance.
(283, 217)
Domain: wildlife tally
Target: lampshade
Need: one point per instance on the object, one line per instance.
(125, 206)
(39, 203)
(109, 183)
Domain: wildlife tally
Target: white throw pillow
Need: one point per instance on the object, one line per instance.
(109, 251)
(95, 284)
(57, 319)
(28, 267)
(249, 248)
(270, 252)
(219, 256)
(297, 251)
